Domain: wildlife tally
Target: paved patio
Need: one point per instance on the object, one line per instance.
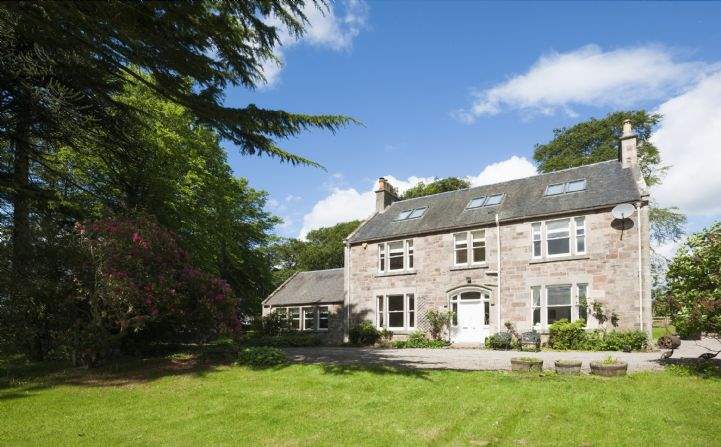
(482, 359)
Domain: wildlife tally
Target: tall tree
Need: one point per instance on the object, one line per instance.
(62, 64)
(322, 249)
(597, 140)
(435, 187)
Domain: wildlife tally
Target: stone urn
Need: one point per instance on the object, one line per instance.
(609, 369)
(526, 364)
(568, 366)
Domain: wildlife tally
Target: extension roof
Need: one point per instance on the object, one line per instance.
(304, 288)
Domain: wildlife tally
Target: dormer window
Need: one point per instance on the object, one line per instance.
(564, 188)
(478, 202)
(412, 214)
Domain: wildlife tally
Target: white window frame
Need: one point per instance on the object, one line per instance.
(485, 300)
(409, 316)
(574, 232)
(534, 233)
(384, 252)
(469, 246)
(571, 239)
(543, 305)
(315, 318)
(293, 319)
(318, 318)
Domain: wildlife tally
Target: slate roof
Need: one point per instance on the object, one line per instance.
(607, 184)
(314, 287)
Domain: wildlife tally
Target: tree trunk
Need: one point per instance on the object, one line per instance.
(21, 237)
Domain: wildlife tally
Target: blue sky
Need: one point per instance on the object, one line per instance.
(466, 89)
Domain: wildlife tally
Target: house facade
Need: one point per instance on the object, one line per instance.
(529, 251)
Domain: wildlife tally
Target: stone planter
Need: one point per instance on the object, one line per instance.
(568, 366)
(526, 364)
(609, 369)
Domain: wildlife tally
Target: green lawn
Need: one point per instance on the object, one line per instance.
(172, 404)
(658, 331)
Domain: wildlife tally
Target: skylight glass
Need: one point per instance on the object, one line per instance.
(552, 190)
(412, 214)
(418, 212)
(561, 188)
(404, 215)
(476, 203)
(494, 200)
(577, 185)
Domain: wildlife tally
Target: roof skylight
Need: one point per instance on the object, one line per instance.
(478, 202)
(412, 214)
(563, 188)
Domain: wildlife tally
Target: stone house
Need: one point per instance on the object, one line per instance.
(529, 251)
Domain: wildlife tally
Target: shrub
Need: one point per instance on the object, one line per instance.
(275, 323)
(262, 356)
(500, 341)
(625, 341)
(364, 334)
(418, 339)
(566, 335)
(438, 321)
(289, 340)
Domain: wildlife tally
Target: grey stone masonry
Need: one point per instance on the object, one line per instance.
(609, 267)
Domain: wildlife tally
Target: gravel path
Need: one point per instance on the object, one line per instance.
(482, 359)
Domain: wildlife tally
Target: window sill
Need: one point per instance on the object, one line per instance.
(469, 267)
(401, 273)
(559, 259)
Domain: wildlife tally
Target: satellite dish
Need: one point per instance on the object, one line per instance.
(623, 211)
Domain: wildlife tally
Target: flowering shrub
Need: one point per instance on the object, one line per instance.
(138, 283)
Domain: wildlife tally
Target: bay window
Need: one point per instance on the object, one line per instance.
(558, 303)
(396, 256)
(396, 311)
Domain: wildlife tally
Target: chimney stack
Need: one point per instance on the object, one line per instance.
(629, 151)
(385, 195)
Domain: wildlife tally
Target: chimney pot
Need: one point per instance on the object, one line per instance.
(628, 153)
(385, 195)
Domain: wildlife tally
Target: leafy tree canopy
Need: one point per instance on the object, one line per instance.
(322, 249)
(436, 186)
(694, 283)
(597, 140)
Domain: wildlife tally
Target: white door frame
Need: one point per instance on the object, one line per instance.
(484, 330)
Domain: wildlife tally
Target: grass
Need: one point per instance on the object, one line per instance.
(179, 402)
(658, 331)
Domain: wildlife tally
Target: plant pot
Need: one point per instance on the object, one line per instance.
(526, 364)
(609, 369)
(568, 366)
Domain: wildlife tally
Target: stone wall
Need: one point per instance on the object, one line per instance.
(610, 268)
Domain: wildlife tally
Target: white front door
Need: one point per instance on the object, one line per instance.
(469, 325)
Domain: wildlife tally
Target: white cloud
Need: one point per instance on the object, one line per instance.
(341, 205)
(344, 204)
(588, 76)
(513, 168)
(689, 139)
(327, 28)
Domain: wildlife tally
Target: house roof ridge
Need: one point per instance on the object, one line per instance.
(540, 174)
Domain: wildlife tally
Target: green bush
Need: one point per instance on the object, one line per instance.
(418, 339)
(262, 356)
(438, 320)
(297, 339)
(566, 335)
(364, 334)
(500, 341)
(625, 341)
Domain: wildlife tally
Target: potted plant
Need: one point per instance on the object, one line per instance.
(609, 367)
(568, 366)
(526, 364)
